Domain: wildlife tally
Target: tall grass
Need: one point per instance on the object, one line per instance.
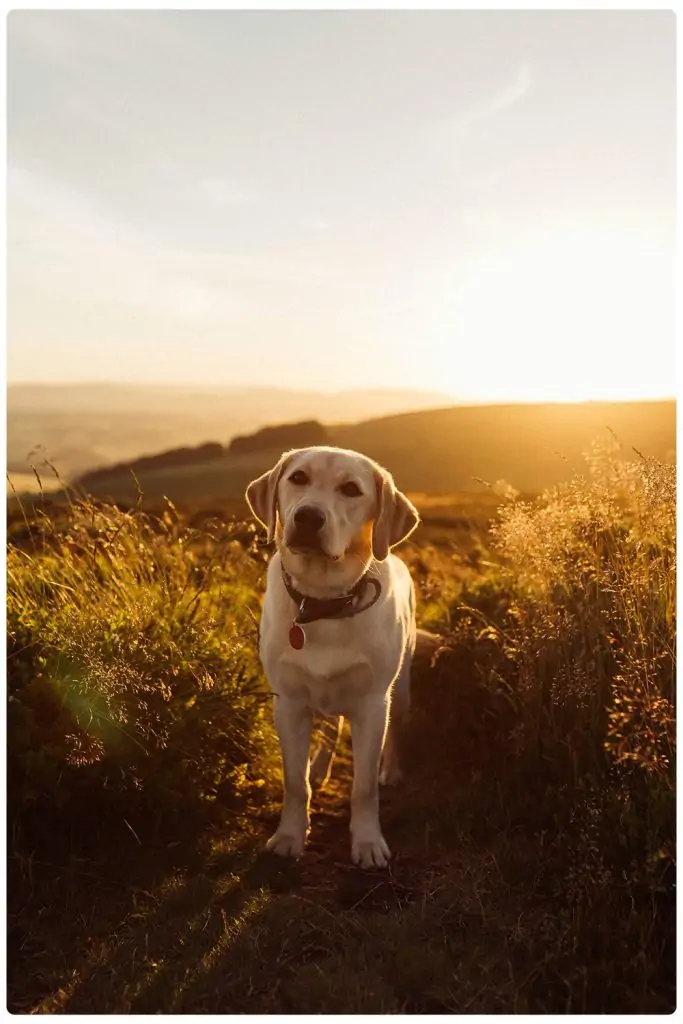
(592, 569)
(557, 680)
(132, 661)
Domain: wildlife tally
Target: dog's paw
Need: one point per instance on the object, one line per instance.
(286, 844)
(370, 852)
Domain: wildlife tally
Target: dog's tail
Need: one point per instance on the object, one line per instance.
(427, 644)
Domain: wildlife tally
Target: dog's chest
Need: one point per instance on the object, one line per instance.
(341, 694)
(332, 675)
(328, 649)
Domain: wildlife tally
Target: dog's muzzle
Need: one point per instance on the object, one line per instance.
(304, 534)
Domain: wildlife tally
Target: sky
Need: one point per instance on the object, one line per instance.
(477, 203)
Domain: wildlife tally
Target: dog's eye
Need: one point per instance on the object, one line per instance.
(351, 489)
(299, 478)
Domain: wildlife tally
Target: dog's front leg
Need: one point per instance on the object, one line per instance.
(368, 726)
(293, 722)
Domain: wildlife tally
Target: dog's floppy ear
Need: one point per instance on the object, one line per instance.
(396, 519)
(261, 495)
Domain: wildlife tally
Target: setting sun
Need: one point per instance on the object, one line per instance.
(573, 315)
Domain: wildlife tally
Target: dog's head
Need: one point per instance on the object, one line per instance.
(329, 504)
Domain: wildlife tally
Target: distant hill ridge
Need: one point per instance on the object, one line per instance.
(85, 427)
(175, 457)
(436, 451)
(287, 435)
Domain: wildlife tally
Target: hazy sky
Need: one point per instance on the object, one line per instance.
(481, 203)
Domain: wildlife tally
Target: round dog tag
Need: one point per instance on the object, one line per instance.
(297, 637)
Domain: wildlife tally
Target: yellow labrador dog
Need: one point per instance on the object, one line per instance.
(337, 629)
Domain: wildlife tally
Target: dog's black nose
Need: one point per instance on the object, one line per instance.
(309, 518)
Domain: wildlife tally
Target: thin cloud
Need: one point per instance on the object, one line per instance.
(507, 97)
(48, 36)
(55, 206)
(62, 243)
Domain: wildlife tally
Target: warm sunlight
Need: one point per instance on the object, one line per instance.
(570, 316)
(341, 512)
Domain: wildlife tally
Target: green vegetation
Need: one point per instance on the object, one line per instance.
(124, 670)
(534, 840)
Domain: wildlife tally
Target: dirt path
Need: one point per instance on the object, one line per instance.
(478, 912)
(234, 929)
(141, 925)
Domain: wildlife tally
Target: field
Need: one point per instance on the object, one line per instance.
(534, 839)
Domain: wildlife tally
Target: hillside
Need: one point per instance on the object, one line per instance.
(438, 451)
(87, 426)
(530, 446)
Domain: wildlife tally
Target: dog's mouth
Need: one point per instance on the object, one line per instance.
(304, 542)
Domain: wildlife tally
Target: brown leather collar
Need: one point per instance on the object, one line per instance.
(313, 608)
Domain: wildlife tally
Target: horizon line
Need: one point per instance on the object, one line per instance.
(460, 400)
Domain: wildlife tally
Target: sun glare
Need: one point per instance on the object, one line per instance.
(574, 317)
